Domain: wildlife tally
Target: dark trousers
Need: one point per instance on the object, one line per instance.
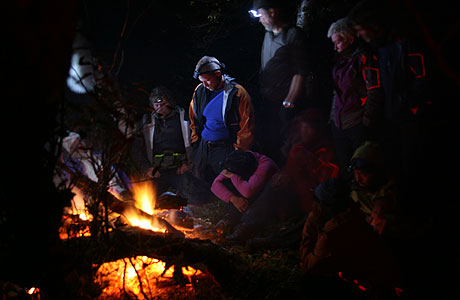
(233, 215)
(208, 157)
(273, 204)
(185, 185)
(272, 129)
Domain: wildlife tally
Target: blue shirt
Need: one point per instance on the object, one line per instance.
(214, 128)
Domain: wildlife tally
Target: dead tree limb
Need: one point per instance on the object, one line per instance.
(226, 268)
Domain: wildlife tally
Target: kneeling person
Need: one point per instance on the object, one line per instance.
(243, 177)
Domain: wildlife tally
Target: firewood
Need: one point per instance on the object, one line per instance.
(226, 268)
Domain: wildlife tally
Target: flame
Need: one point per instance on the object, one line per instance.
(143, 222)
(137, 276)
(32, 290)
(78, 206)
(144, 196)
(75, 218)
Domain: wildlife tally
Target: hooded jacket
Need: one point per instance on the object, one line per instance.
(358, 95)
(146, 129)
(379, 202)
(237, 113)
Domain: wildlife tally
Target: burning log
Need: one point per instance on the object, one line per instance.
(225, 268)
(128, 207)
(162, 224)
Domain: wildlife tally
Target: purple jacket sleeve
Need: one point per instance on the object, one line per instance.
(265, 170)
(219, 189)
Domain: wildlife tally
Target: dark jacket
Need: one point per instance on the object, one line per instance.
(144, 142)
(403, 77)
(238, 114)
(358, 95)
(283, 56)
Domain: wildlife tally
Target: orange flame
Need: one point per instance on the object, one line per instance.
(78, 206)
(136, 276)
(76, 217)
(144, 196)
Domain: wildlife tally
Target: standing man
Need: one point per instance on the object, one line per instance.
(221, 118)
(162, 149)
(283, 72)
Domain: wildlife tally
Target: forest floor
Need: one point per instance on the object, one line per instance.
(275, 272)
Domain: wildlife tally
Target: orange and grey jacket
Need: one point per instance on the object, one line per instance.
(237, 112)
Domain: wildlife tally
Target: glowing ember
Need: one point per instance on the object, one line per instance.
(73, 228)
(33, 290)
(76, 218)
(139, 277)
(78, 206)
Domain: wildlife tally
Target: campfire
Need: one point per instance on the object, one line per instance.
(144, 276)
(143, 193)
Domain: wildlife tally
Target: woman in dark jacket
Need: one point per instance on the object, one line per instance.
(358, 97)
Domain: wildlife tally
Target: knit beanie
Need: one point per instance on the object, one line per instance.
(207, 64)
(333, 196)
(368, 157)
(256, 4)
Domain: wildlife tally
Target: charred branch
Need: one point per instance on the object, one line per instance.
(226, 268)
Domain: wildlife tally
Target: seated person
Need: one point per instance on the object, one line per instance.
(162, 149)
(243, 177)
(337, 240)
(372, 188)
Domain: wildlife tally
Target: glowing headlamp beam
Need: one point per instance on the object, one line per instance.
(254, 13)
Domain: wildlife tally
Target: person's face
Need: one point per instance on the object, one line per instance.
(211, 81)
(267, 18)
(367, 34)
(161, 106)
(340, 42)
(363, 179)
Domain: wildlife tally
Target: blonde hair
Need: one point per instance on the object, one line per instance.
(342, 28)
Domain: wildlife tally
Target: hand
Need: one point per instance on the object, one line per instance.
(226, 173)
(240, 203)
(288, 104)
(148, 173)
(280, 179)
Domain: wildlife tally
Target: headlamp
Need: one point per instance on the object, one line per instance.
(254, 13)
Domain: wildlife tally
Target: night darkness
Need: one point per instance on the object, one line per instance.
(160, 45)
(163, 41)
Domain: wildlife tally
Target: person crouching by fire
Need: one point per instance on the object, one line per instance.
(162, 149)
